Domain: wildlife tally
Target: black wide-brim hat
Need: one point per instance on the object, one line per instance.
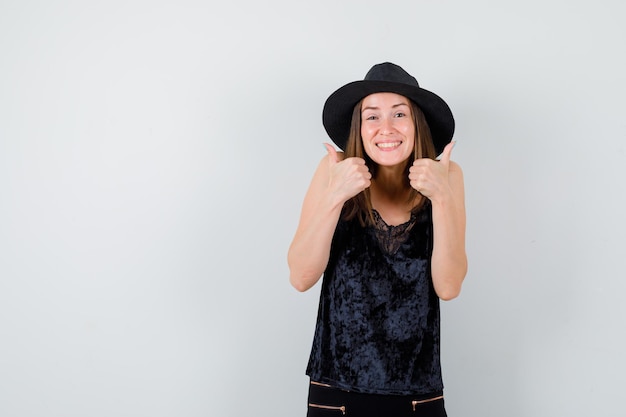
(386, 78)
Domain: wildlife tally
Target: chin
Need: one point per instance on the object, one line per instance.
(388, 162)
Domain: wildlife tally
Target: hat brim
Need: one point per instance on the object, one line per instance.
(337, 112)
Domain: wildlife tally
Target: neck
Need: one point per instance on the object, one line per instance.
(391, 199)
(389, 188)
(391, 181)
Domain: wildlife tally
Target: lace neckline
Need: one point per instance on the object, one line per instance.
(390, 237)
(381, 222)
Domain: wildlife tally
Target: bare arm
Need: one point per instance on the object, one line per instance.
(442, 182)
(335, 181)
(449, 260)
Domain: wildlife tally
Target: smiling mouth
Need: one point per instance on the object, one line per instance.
(388, 145)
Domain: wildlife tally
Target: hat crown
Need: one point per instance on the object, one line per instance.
(390, 73)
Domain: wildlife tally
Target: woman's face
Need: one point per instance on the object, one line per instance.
(387, 128)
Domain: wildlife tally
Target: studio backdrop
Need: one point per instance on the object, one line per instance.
(153, 160)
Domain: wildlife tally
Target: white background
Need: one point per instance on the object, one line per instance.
(154, 156)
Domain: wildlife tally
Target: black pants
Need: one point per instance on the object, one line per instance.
(327, 401)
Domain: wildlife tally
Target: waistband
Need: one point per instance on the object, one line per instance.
(354, 404)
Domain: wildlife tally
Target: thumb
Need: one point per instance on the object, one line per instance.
(332, 153)
(447, 151)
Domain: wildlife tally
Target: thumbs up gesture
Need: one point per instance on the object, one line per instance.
(430, 177)
(346, 177)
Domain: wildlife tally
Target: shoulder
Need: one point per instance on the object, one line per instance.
(455, 166)
(457, 182)
(455, 170)
(320, 179)
(322, 167)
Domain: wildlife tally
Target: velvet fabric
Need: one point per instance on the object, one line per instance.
(377, 327)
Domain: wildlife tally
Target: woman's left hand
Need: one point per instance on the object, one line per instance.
(442, 183)
(430, 177)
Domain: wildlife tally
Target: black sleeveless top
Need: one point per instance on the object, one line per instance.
(377, 327)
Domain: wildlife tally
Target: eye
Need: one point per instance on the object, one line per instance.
(400, 114)
(371, 117)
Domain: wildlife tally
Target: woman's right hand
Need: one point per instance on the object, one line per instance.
(336, 180)
(347, 177)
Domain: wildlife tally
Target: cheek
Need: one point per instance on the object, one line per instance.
(365, 132)
(409, 132)
(368, 147)
(408, 128)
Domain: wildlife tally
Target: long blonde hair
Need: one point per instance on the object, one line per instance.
(361, 204)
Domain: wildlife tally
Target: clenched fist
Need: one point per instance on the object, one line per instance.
(347, 177)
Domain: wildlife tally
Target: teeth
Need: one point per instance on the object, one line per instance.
(388, 144)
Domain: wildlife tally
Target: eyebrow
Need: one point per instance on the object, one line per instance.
(378, 108)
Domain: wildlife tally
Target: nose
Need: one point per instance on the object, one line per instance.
(386, 126)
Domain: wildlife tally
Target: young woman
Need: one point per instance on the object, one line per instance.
(384, 222)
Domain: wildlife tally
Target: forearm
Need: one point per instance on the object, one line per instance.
(449, 260)
(310, 249)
